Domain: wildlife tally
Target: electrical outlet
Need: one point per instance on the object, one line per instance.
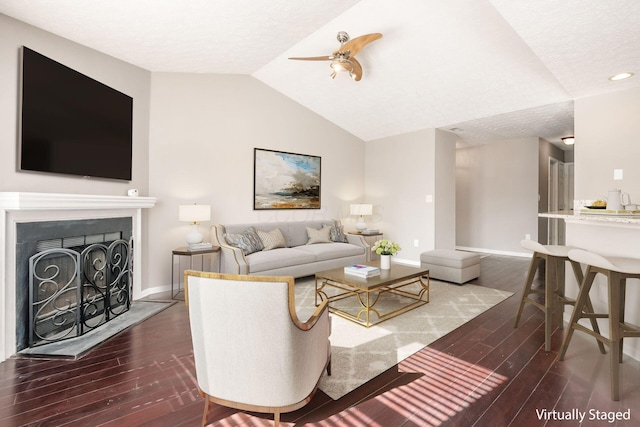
(429, 198)
(416, 243)
(617, 174)
(527, 236)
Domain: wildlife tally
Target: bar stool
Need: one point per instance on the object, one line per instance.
(617, 270)
(554, 257)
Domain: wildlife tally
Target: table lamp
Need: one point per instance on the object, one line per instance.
(361, 209)
(193, 214)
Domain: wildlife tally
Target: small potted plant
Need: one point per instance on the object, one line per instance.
(385, 248)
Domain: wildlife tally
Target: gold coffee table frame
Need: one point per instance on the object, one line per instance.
(389, 281)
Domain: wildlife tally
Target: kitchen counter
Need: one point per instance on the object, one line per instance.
(604, 216)
(606, 234)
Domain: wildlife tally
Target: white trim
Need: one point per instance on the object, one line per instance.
(54, 201)
(405, 261)
(496, 252)
(21, 207)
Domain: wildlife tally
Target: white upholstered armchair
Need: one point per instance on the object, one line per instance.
(251, 351)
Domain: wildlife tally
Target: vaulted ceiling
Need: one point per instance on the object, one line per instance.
(492, 69)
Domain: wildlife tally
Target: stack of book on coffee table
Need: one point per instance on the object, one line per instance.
(362, 270)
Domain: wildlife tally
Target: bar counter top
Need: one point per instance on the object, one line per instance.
(604, 216)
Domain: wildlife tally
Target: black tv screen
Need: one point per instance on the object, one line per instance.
(71, 123)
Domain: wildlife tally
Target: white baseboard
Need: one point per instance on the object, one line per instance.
(154, 290)
(406, 262)
(495, 252)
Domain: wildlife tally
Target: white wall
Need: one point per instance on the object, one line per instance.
(607, 129)
(400, 172)
(204, 129)
(202, 138)
(497, 195)
(445, 190)
(120, 75)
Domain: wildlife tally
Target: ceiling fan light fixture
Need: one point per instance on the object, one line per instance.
(621, 76)
(569, 140)
(341, 65)
(344, 59)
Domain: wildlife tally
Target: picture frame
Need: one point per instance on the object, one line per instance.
(283, 180)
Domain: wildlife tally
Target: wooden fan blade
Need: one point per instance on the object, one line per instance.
(356, 73)
(354, 45)
(314, 58)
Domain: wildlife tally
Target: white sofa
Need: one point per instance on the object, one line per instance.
(297, 258)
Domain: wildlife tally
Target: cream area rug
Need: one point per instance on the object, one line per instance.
(359, 354)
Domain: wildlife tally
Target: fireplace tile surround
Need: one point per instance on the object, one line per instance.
(24, 207)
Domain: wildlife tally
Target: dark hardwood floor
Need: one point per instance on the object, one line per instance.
(485, 373)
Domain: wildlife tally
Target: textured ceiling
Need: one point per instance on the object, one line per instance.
(496, 69)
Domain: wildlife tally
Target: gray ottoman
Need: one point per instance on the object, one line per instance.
(450, 265)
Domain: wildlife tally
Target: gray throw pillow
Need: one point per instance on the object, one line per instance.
(319, 236)
(337, 233)
(248, 240)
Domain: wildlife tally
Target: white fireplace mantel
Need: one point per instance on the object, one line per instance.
(53, 201)
(18, 207)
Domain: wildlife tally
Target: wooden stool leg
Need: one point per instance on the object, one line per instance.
(583, 294)
(614, 333)
(559, 293)
(621, 304)
(527, 286)
(549, 299)
(594, 324)
(577, 271)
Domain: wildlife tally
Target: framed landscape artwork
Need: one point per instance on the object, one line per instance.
(285, 180)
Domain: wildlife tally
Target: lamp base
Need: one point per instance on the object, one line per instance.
(361, 225)
(194, 236)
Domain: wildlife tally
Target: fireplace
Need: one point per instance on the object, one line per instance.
(22, 213)
(72, 276)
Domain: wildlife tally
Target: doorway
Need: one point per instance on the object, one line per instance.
(560, 198)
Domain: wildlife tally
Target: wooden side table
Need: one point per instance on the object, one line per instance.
(184, 252)
(371, 239)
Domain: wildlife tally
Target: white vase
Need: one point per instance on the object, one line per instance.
(385, 262)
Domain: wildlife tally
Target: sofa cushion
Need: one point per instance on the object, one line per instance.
(278, 258)
(337, 233)
(319, 236)
(248, 240)
(294, 232)
(272, 239)
(332, 250)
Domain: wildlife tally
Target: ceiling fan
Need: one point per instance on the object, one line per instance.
(343, 59)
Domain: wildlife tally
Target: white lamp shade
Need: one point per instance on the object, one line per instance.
(194, 213)
(361, 209)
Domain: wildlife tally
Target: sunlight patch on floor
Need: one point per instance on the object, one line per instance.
(448, 386)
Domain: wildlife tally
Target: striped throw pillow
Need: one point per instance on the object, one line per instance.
(272, 239)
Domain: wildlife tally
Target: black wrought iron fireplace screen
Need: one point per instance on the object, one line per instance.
(74, 290)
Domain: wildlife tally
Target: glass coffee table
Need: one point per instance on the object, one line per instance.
(369, 301)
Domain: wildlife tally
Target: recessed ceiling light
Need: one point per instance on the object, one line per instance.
(455, 130)
(569, 140)
(621, 76)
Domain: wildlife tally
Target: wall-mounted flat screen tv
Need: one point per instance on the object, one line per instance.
(71, 123)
